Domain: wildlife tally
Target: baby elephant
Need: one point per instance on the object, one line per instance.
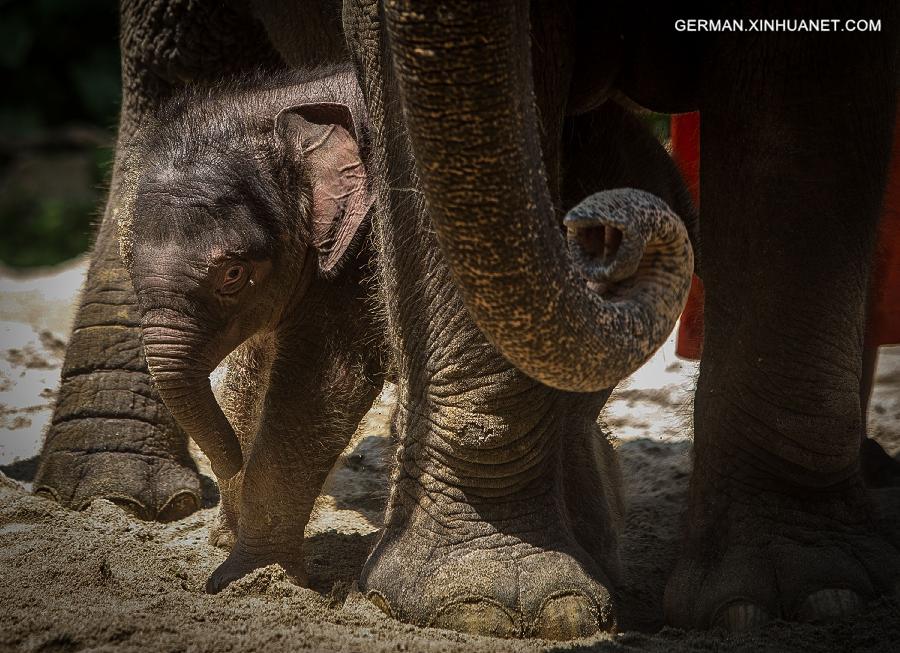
(244, 232)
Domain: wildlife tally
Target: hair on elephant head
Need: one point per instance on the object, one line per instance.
(239, 196)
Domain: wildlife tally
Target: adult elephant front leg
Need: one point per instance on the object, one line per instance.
(489, 527)
(780, 524)
(110, 436)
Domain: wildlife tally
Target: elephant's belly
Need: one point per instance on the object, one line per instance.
(644, 58)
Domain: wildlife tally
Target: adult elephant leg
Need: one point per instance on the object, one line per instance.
(306, 33)
(780, 524)
(110, 435)
(634, 158)
(479, 533)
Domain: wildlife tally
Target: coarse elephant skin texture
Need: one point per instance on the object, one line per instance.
(504, 513)
(779, 524)
(243, 232)
(110, 436)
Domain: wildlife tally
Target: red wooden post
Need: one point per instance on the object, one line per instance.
(685, 131)
(884, 303)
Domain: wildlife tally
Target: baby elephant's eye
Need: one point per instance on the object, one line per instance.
(234, 277)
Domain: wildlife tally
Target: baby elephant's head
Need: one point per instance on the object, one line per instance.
(227, 222)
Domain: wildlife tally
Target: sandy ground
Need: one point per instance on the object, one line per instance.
(101, 580)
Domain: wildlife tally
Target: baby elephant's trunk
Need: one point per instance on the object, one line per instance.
(181, 376)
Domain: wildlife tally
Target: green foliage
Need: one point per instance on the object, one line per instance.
(59, 70)
(59, 61)
(43, 230)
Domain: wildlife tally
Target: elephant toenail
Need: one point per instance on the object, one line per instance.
(127, 505)
(741, 616)
(178, 507)
(380, 602)
(477, 616)
(569, 616)
(830, 605)
(47, 493)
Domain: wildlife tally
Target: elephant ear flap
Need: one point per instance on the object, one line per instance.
(325, 138)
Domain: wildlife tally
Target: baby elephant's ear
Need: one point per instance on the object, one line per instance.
(325, 138)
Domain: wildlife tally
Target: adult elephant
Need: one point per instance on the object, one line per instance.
(795, 146)
(110, 435)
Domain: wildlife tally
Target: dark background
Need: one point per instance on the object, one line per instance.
(60, 88)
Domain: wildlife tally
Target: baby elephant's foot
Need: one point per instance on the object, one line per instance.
(246, 556)
(769, 558)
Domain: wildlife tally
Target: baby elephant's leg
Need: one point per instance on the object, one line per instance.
(325, 376)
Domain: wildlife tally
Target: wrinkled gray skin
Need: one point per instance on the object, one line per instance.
(234, 245)
(503, 515)
(482, 531)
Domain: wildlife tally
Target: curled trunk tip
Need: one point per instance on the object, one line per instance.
(493, 214)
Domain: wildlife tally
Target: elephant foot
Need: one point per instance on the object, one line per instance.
(111, 437)
(245, 557)
(146, 486)
(513, 591)
(765, 557)
(510, 565)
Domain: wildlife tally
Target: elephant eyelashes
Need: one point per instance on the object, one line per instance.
(234, 277)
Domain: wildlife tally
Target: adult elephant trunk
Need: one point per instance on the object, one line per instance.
(465, 67)
(181, 374)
